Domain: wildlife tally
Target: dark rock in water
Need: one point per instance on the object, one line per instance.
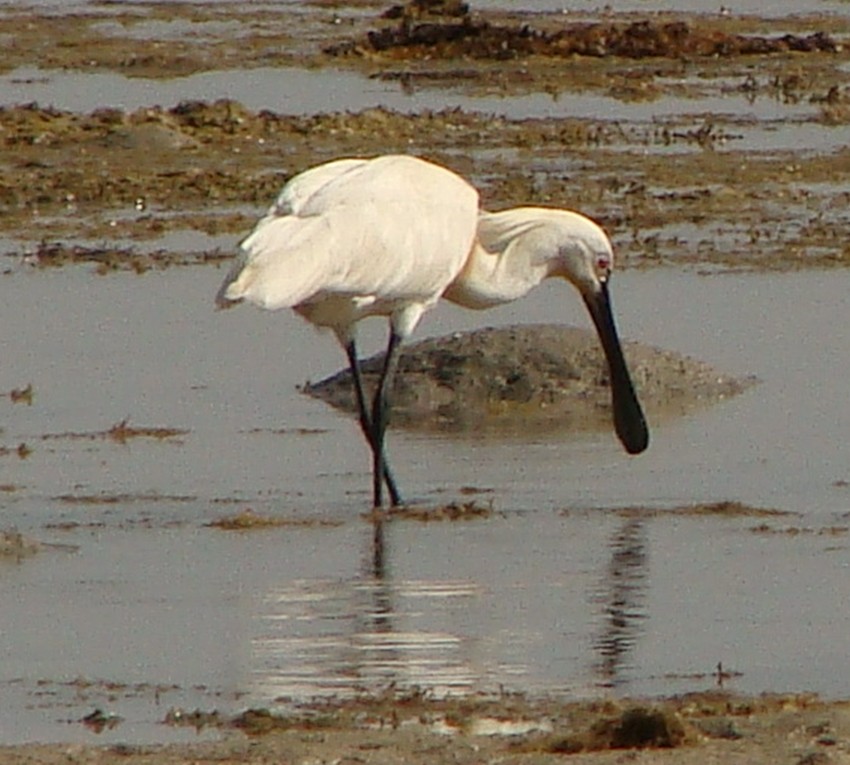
(529, 376)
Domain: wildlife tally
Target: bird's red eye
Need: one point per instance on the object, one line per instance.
(603, 264)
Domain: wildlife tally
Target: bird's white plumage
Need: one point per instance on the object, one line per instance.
(298, 190)
(390, 236)
(498, 230)
(516, 249)
(354, 238)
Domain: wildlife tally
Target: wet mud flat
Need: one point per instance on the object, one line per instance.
(675, 175)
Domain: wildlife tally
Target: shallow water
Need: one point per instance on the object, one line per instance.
(289, 90)
(150, 609)
(744, 123)
(555, 593)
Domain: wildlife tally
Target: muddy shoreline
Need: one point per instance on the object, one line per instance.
(697, 728)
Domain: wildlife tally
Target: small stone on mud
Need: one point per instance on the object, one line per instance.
(99, 721)
(21, 395)
(640, 727)
(197, 719)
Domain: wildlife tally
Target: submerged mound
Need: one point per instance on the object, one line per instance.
(530, 376)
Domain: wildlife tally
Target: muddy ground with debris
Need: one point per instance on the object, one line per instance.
(672, 190)
(690, 730)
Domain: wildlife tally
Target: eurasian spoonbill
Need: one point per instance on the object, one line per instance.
(390, 236)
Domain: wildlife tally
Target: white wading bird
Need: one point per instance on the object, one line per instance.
(389, 237)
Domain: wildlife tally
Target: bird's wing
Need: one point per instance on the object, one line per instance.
(392, 228)
(280, 263)
(267, 237)
(298, 190)
(406, 227)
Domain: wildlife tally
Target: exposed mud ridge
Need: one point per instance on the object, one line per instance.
(523, 377)
(105, 187)
(156, 39)
(213, 167)
(107, 259)
(158, 169)
(477, 38)
(248, 520)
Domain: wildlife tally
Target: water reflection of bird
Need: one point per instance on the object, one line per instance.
(622, 596)
(389, 237)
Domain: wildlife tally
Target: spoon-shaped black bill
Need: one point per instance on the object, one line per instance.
(629, 422)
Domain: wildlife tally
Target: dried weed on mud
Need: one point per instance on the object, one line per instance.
(248, 520)
(721, 509)
(121, 432)
(453, 511)
(476, 38)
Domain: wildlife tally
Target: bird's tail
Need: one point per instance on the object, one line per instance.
(221, 298)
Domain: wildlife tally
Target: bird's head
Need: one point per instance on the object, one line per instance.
(548, 242)
(584, 253)
(583, 256)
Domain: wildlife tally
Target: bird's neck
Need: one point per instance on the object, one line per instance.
(491, 278)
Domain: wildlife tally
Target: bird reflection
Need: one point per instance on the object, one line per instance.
(376, 579)
(339, 636)
(621, 595)
(378, 557)
(332, 636)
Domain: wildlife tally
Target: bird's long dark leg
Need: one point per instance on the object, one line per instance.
(366, 420)
(380, 412)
